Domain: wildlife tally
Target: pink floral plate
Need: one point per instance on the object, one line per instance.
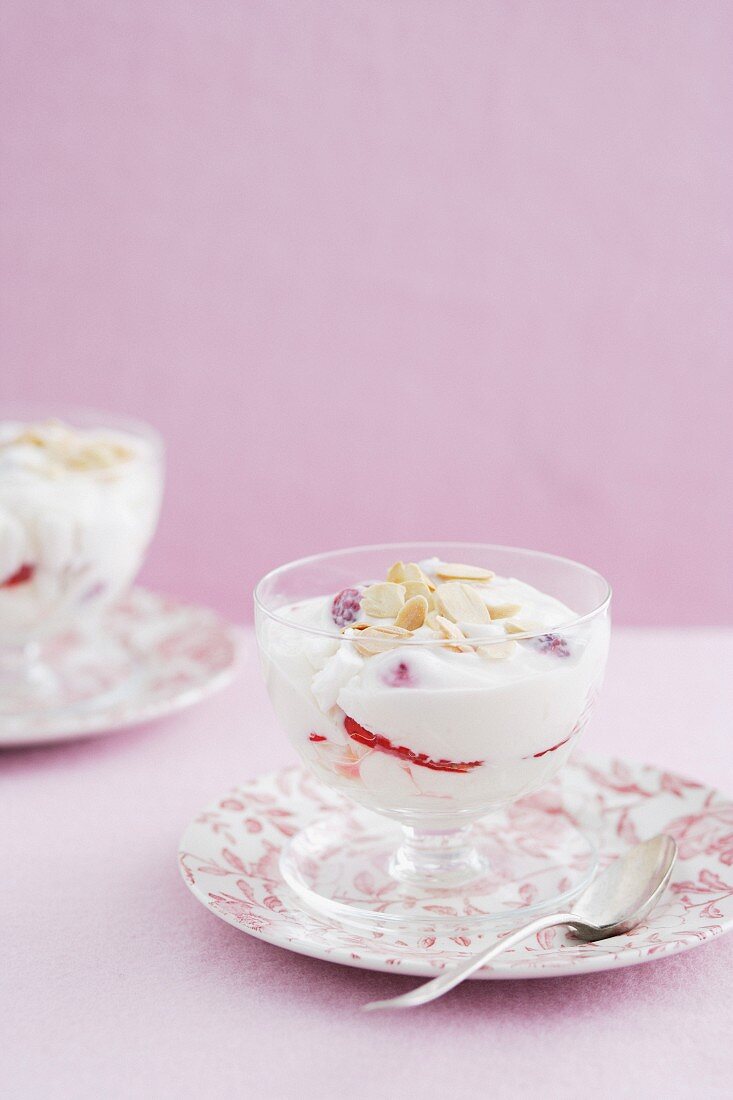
(152, 656)
(229, 858)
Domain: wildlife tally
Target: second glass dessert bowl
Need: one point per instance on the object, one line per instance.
(79, 501)
(430, 687)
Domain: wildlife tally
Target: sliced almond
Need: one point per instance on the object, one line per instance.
(356, 626)
(461, 603)
(396, 572)
(376, 639)
(74, 454)
(383, 600)
(519, 628)
(452, 632)
(97, 456)
(514, 628)
(453, 571)
(504, 610)
(30, 437)
(413, 573)
(417, 588)
(412, 615)
(499, 651)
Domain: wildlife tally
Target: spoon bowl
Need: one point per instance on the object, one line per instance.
(625, 892)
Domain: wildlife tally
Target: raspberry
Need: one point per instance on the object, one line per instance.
(399, 675)
(346, 606)
(20, 576)
(552, 643)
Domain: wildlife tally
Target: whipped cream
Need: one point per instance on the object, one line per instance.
(454, 716)
(77, 510)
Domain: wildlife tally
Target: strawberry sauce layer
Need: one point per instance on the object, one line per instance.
(20, 576)
(378, 741)
(383, 744)
(552, 748)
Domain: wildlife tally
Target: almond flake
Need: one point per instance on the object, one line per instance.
(71, 452)
(412, 615)
(452, 571)
(97, 456)
(30, 437)
(383, 600)
(497, 652)
(417, 588)
(519, 628)
(396, 572)
(452, 632)
(461, 603)
(513, 628)
(504, 610)
(375, 639)
(413, 572)
(355, 626)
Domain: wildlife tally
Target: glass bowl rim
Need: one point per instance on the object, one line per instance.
(35, 411)
(436, 545)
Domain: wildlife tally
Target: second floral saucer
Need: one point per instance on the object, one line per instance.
(151, 657)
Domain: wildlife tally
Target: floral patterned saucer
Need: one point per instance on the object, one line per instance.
(151, 657)
(229, 858)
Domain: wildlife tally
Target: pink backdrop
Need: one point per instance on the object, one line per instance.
(388, 270)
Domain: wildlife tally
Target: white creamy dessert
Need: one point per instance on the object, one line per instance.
(445, 689)
(77, 510)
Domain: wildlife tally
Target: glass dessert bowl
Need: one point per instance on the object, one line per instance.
(79, 502)
(426, 684)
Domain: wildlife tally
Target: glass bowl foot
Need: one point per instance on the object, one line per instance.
(67, 675)
(519, 861)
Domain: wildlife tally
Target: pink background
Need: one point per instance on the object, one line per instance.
(387, 270)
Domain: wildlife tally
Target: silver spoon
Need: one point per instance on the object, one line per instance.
(616, 901)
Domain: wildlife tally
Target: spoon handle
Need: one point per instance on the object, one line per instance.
(436, 987)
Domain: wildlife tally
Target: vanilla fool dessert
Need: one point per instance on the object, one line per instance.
(77, 509)
(442, 690)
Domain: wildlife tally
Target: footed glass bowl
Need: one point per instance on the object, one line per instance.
(80, 494)
(455, 714)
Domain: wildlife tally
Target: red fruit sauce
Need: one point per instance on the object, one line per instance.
(20, 576)
(383, 744)
(377, 741)
(552, 748)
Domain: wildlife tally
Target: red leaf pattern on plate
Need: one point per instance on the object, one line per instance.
(232, 859)
(546, 938)
(364, 883)
(528, 893)
(626, 829)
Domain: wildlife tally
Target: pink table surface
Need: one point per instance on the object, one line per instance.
(117, 983)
